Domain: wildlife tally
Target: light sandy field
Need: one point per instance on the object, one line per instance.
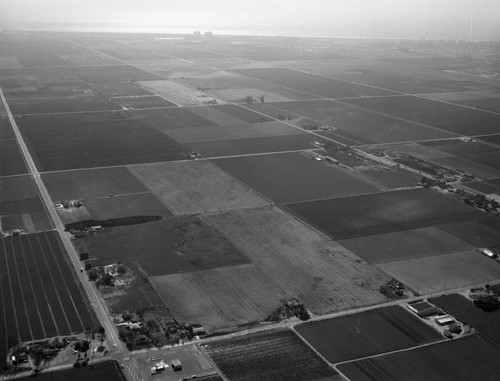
(444, 272)
(457, 96)
(178, 94)
(289, 260)
(239, 131)
(240, 95)
(7, 62)
(193, 187)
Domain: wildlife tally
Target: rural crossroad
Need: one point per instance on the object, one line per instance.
(99, 309)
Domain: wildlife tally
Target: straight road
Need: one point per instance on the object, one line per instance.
(111, 332)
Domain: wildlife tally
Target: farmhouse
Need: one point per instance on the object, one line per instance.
(176, 365)
(444, 320)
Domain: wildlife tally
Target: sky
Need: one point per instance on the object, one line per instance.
(453, 19)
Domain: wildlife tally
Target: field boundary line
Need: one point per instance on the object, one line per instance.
(44, 291)
(52, 252)
(55, 286)
(21, 288)
(10, 289)
(4, 313)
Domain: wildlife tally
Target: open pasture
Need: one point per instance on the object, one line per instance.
(366, 333)
(441, 272)
(40, 295)
(392, 178)
(445, 116)
(463, 309)
(312, 84)
(228, 132)
(91, 183)
(248, 146)
(242, 113)
(291, 177)
(167, 247)
(138, 204)
(406, 244)
(192, 187)
(11, 159)
(278, 356)
(380, 213)
(481, 99)
(288, 259)
(465, 359)
(173, 117)
(56, 143)
(363, 126)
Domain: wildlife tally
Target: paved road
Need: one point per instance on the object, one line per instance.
(111, 332)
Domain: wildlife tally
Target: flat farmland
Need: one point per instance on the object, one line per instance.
(174, 117)
(192, 187)
(56, 143)
(313, 84)
(447, 271)
(234, 147)
(48, 105)
(11, 159)
(6, 131)
(291, 177)
(242, 113)
(143, 101)
(363, 126)
(40, 294)
(449, 117)
(20, 206)
(228, 132)
(100, 371)
(383, 212)
(392, 178)
(288, 258)
(465, 359)
(271, 356)
(176, 93)
(407, 244)
(139, 204)
(463, 309)
(166, 247)
(91, 183)
(367, 333)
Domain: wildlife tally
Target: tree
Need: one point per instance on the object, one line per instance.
(93, 275)
(88, 266)
(120, 269)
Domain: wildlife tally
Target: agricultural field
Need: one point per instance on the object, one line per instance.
(463, 309)
(178, 94)
(100, 371)
(406, 244)
(445, 116)
(288, 259)
(20, 206)
(313, 84)
(40, 294)
(276, 356)
(91, 183)
(292, 177)
(359, 125)
(6, 131)
(139, 204)
(441, 272)
(234, 131)
(367, 333)
(383, 212)
(464, 359)
(248, 146)
(142, 101)
(193, 187)
(11, 159)
(56, 143)
(167, 247)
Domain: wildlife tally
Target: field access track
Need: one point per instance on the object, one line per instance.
(39, 294)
